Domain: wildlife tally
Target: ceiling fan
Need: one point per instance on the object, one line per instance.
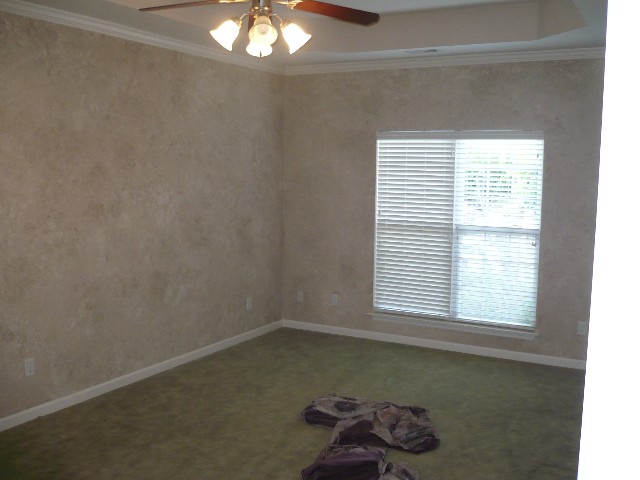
(262, 33)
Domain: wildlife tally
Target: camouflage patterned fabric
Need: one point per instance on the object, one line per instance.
(353, 462)
(362, 430)
(365, 422)
(339, 461)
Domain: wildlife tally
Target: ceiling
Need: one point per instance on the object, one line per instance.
(408, 29)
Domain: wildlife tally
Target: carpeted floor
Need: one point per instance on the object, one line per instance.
(235, 415)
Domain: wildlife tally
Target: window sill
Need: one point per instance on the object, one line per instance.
(521, 333)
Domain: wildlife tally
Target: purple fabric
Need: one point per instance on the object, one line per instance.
(364, 422)
(338, 462)
(362, 431)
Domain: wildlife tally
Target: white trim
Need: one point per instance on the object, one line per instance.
(439, 345)
(460, 134)
(108, 386)
(519, 333)
(450, 60)
(70, 19)
(83, 22)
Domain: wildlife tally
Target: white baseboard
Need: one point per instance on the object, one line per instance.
(439, 345)
(97, 390)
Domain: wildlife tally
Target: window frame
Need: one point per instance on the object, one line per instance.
(449, 322)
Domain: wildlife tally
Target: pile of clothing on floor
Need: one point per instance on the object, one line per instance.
(362, 432)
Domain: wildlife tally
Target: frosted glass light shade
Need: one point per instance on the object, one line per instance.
(294, 36)
(258, 50)
(263, 32)
(227, 32)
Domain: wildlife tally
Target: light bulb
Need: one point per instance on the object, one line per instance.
(258, 50)
(294, 36)
(263, 32)
(227, 32)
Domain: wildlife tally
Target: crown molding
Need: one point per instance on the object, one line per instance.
(450, 60)
(83, 22)
(70, 19)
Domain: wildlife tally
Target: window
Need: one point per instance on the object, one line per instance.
(458, 226)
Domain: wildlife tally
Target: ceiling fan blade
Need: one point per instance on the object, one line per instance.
(346, 14)
(190, 4)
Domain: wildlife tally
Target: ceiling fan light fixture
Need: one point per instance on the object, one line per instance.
(227, 32)
(263, 32)
(258, 50)
(294, 36)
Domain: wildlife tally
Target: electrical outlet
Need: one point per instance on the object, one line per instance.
(335, 299)
(583, 328)
(249, 303)
(29, 367)
(300, 296)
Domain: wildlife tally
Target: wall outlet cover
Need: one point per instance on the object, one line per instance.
(29, 367)
(583, 328)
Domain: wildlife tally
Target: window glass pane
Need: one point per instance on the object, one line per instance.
(495, 277)
(498, 193)
(498, 182)
(457, 225)
(414, 226)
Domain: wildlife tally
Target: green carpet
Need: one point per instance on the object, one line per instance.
(235, 415)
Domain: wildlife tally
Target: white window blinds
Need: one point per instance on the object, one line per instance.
(457, 225)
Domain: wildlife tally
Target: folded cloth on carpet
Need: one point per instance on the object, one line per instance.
(354, 462)
(330, 409)
(342, 462)
(362, 431)
(364, 422)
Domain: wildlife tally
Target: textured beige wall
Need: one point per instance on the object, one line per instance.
(139, 204)
(329, 183)
(140, 198)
